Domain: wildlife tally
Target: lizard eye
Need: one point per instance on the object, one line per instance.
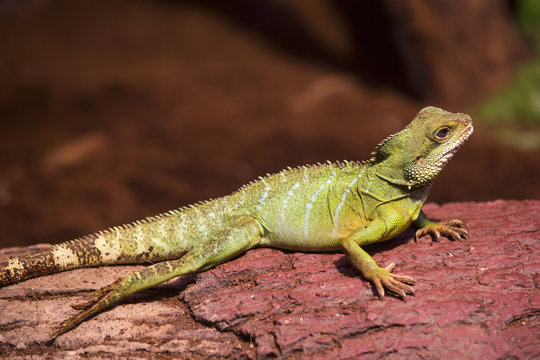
(442, 133)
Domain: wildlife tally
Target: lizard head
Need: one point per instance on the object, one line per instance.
(416, 154)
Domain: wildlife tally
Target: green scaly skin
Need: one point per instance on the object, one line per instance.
(332, 206)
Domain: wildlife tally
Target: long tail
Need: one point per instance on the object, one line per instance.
(146, 241)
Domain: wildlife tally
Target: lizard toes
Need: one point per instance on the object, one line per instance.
(462, 232)
(88, 302)
(398, 288)
(379, 287)
(390, 267)
(454, 223)
(418, 234)
(455, 233)
(404, 279)
(436, 235)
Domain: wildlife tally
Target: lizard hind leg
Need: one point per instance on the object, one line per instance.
(242, 235)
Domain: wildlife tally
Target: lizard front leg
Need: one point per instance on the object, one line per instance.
(380, 277)
(453, 229)
(239, 236)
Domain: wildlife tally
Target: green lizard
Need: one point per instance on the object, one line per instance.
(324, 207)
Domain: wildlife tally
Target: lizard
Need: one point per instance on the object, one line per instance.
(335, 206)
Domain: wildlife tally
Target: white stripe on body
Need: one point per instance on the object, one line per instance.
(309, 206)
(342, 202)
(264, 196)
(284, 204)
(180, 230)
(139, 240)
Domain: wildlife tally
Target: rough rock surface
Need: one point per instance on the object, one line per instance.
(479, 297)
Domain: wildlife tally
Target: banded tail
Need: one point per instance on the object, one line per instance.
(69, 255)
(144, 241)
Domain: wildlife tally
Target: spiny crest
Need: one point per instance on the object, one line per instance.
(382, 144)
(338, 164)
(151, 219)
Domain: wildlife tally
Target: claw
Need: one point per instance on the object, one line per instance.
(96, 302)
(379, 287)
(93, 298)
(454, 223)
(396, 284)
(390, 267)
(452, 229)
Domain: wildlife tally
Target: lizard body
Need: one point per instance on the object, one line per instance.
(323, 207)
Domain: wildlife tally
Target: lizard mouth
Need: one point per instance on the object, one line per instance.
(462, 139)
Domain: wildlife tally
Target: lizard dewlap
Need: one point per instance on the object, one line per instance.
(331, 206)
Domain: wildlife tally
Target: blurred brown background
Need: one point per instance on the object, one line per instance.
(112, 111)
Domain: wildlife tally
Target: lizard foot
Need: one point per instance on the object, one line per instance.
(396, 284)
(92, 298)
(98, 301)
(452, 229)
